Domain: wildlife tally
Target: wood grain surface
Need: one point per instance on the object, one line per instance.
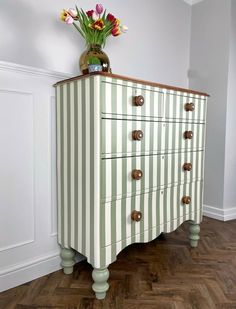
(135, 80)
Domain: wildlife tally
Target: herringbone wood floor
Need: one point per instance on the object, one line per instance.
(163, 274)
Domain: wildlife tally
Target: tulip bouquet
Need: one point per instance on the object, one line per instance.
(94, 25)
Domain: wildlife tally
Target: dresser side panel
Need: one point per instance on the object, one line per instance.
(204, 154)
(78, 166)
(58, 158)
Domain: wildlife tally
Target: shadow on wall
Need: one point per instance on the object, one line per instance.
(34, 35)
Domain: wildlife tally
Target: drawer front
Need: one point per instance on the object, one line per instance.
(158, 137)
(120, 100)
(178, 106)
(121, 177)
(157, 208)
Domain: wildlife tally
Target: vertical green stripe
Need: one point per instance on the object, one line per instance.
(149, 213)
(123, 221)
(199, 107)
(103, 179)
(114, 141)
(143, 207)
(113, 224)
(62, 166)
(83, 158)
(68, 176)
(92, 176)
(167, 104)
(132, 208)
(76, 218)
(58, 160)
(124, 168)
(174, 106)
(102, 223)
(170, 217)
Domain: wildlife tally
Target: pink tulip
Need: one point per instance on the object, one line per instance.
(124, 28)
(99, 9)
(95, 16)
(72, 12)
(69, 20)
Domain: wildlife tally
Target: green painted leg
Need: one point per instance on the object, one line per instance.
(67, 256)
(194, 230)
(100, 286)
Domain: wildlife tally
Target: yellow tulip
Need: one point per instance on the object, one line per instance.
(64, 14)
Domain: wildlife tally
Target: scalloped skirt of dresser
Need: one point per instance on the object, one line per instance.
(109, 253)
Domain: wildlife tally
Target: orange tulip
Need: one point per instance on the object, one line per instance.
(98, 25)
(116, 23)
(116, 31)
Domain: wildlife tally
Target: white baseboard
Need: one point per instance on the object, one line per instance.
(219, 214)
(25, 272)
(31, 270)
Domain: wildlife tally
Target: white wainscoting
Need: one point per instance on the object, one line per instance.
(28, 230)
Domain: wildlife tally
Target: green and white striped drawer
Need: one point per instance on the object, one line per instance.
(158, 137)
(175, 103)
(158, 171)
(157, 208)
(109, 253)
(118, 99)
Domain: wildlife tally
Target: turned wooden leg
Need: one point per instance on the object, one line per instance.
(100, 286)
(67, 256)
(194, 230)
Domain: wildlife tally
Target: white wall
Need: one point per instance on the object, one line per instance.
(230, 147)
(155, 48)
(212, 69)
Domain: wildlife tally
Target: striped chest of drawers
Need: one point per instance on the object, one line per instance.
(130, 158)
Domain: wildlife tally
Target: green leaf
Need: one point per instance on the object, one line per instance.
(78, 12)
(104, 15)
(74, 24)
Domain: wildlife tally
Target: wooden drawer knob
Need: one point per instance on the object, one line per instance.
(186, 200)
(187, 167)
(138, 100)
(188, 134)
(137, 135)
(189, 107)
(136, 215)
(137, 174)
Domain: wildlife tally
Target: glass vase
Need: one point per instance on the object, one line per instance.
(94, 55)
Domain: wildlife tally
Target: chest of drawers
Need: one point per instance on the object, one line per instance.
(130, 159)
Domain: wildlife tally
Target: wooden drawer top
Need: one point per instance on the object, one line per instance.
(116, 76)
